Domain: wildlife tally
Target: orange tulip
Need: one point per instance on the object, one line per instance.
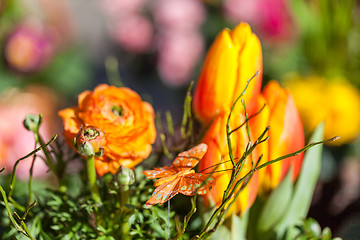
(127, 121)
(286, 135)
(234, 57)
(218, 152)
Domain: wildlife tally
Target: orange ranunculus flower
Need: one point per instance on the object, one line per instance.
(286, 135)
(218, 152)
(127, 121)
(234, 57)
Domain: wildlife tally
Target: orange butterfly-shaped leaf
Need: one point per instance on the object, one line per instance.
(180, 177)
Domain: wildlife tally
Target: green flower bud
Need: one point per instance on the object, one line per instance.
(32, 122)
(125, 176)
(90, 141)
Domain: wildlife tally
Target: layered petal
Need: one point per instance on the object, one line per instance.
(286, 134)
(127, 121)
(249, 62)
(258, 123)
(234, 57)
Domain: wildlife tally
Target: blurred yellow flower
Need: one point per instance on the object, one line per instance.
(334, 101)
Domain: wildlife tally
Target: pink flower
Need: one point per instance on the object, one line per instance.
(240, 10)
(28, 48)
(15, 140)
(133, 32)
(116, 8)
(271, 17)
(178, 54)
(175, 14)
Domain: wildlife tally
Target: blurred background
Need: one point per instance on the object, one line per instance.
(53, 50)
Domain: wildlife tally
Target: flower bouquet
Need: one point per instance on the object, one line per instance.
(233, 168)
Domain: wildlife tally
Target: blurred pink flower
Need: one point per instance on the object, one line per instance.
(175, 14)
(133, 32)
(15, 140)
(271, 17)
(28, 48)
(116, 8)
(178, 54)
(276, 19)
(177, 42)
(180, 43)
(242, 10)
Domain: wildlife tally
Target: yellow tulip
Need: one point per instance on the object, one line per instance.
(334, 101)
(234, 57)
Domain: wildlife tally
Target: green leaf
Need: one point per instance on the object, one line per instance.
(304, 188)
(326, 234)
(238, 226)
(222, 233)
(276, 205)
(13, 221)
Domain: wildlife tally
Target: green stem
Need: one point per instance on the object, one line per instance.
(187, 114)
(124, 195)
(228, 132)
(12, 219)
(30, 178)
(16, 204)
(92, 179)
(13, 176)
(187, 218)
(50, 161)
(310, 145)
(220, 212)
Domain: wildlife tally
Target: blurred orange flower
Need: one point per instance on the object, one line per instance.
(234, 57)
(127, 121)
(286, 135)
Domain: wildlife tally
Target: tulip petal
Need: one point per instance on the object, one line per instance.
(257, 126)
(214, 91)
(234, 57)
(286, 132)
(249, 62)
(218, 152)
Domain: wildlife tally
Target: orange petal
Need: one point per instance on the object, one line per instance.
(215, 87)
(233, 58)
(249, 62)
(71, 121)
(286, 132)
(257, 126)
(218, 152)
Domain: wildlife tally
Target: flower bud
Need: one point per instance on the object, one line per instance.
(125, 176)
(32, 122)
(90, 141)
(234, 57)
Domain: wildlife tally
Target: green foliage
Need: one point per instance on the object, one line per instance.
(66, 217)
(58, 215)
(304, 187)
(311, 230)
(276, 205)
(275, 216)
(119, 212)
